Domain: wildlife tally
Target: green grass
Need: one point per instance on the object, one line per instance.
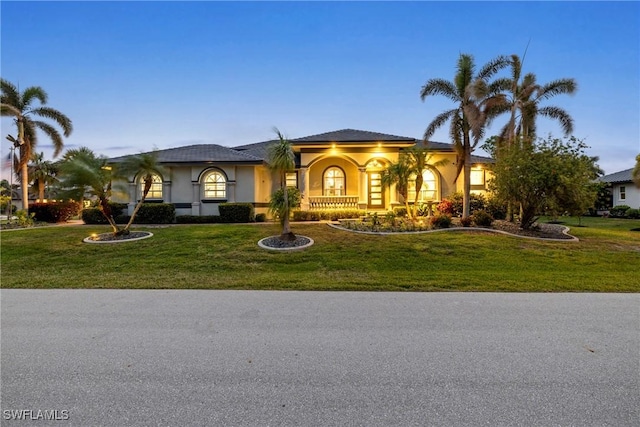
(607, 259)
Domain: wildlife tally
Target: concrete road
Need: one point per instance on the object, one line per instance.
(240, 358)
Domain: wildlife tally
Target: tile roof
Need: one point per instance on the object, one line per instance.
(351, 135)
(622, 176)
(201, 153)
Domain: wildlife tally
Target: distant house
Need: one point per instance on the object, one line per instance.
(334, 170)
(623, 189)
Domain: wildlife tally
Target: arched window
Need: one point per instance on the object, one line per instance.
(429, 190)
(155, 192)
(215, 186)
(333, 182)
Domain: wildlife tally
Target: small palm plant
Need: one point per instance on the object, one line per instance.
(281, 160)
(399, 173)
(418, 158)
(83, 173)
(146, 166)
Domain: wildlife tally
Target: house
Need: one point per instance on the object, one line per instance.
(334, 170)
(624, 191)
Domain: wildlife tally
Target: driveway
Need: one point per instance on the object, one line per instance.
(244, 358)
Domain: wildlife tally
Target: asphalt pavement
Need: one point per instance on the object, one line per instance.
(245, 358)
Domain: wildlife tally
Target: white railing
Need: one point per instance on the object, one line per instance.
(333, 202)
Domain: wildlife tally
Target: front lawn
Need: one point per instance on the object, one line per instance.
(222, 256)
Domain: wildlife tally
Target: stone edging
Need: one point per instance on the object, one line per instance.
(565, 231)
(292, 248)
(99, 242)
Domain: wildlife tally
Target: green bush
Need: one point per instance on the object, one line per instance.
(496, 208)
(633, 213)
(441, 221)
(466, 221)
(482, 218)
(476, 202)
(400, 211)
(198, 219)
(332, 215)
(619, 211)
(54, 211)
(236, 212)
(95, 216)
(156, 213)
(261, 217)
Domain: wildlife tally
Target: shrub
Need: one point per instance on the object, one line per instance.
(24, 219)
(261, 217)
(306, 216)
(54, 211)
(400, 211)
(333, 215)
(482, 218)
(156, 213)
(445, 207)
(476, 202)
(466, 221)
(496, 208)
(236, 212)
(93, 216)
(441, 221)
(619, 211)
(198, 219)
(633, 213)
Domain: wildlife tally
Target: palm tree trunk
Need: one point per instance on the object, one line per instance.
(147, 187)
(40, 191)
(419, 180)
(466, 198)
(24, 172)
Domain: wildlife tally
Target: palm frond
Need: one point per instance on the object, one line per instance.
(557, 87)
(32, 93)
(51, 113)
(438, 121)
(493, 66)
(440, 87)
(52, 133)
(556, 113)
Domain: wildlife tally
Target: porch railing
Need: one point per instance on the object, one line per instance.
(333, 202)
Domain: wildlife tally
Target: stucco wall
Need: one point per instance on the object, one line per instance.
(632, 198)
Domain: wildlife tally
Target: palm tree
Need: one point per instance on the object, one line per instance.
(145, 166)
(82, 172)
(281, 160)
(19, 106)
(523, 104)
(399, 173)
(42, 173)
(464, 90)
(418, 158)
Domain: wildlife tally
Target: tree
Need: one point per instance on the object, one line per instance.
(418, 157)
(145, 166)
(465, 91)
(636, 171)
(399, 173)
(281, 160)
(42, 173)
(523, 100)
(19, 106)
(551, 174)
(81, 173)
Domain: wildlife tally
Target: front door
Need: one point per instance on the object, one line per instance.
(376, 191)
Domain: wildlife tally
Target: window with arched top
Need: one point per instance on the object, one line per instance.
(155, 192)
(333, 182)
(215, 185)
(429, 189)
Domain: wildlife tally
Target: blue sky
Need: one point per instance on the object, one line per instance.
(137, 75)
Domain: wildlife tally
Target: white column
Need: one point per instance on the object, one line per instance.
(166, 191)
(363, 191)
(231, 191)
(133, 197)
(304, 184)
(195, 199)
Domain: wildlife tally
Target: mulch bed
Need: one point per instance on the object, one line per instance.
(276, 243)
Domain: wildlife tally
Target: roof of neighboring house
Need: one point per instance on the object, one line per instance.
(622, 176)
(201, 153)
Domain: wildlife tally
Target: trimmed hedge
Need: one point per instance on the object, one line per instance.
(94, 215)
(633, 213)
(482, 218)
(619, 211)
(156, 213)
(441, 221)
(236, 212)
(54, 211)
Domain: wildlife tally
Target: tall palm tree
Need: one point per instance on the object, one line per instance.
(82, 172)
(19, 106)
(145, 166)
(399, 173)
(42, 173)
(281, 160)
(523, 103)
(467, 102)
